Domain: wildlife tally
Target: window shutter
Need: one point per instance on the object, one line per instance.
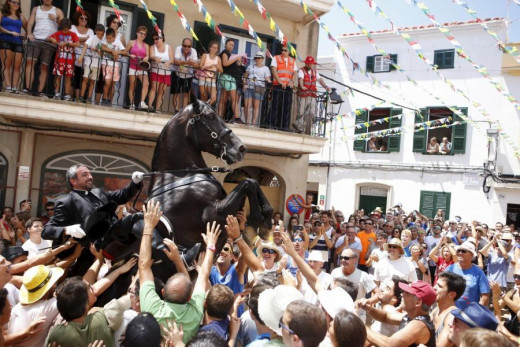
(370, 64)
(419, 137)
(142, 19)
(393, 57)
(394, 141)
(360, 145)
(458, 143)
(442, 201)
(427, 204)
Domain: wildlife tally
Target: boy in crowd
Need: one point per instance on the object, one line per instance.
(91, 61)
(110, 66)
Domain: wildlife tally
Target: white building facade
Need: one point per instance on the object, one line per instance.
(480, 176)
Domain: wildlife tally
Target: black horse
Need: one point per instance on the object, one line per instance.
(189, 194)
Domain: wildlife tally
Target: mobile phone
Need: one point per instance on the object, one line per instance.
(297, 228)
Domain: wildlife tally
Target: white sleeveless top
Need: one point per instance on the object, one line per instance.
(164, 58)
(44, 27)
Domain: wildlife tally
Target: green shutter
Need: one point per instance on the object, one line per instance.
(458, 143)
(430, 202)
(419, 137)
(360, 145)
(394, 141)
(370, 64)
(393, 58)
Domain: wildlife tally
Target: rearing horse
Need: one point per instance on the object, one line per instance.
(189, 194)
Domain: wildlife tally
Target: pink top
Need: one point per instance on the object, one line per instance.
(139, 52)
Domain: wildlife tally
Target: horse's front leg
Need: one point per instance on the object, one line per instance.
(232, 203)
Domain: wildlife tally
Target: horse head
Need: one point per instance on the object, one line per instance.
(209, 133)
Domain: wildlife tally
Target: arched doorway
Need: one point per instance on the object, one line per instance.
(111, 171)
(270, 183)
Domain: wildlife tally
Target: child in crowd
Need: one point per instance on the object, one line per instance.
(91, 61)
(110, 66)
(64, 62)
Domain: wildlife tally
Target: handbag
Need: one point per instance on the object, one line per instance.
(200, 74)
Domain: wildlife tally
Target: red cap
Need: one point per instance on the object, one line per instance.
(310, 60)
(422, 290)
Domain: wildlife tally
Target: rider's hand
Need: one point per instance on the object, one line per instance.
(137, 177)
(75, 231)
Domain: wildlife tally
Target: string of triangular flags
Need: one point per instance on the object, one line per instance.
(482, 70)
(420, 53)
(79, 7)
(243, 22)
(275, 28)
(116, 9)
(414, 128)
(367, 124)
(208, 18)
(151, 17)
(183, 20)
(513, 51)
(356, 66)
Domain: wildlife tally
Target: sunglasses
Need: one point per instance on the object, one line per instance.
(463, 251)
(285, 50)
(157, 38)
(393, 246)
(268, 250)
(15, 2)
(368, 223)
(347, 258)
(285, 327)
(257, 58)
(141, 33)
(83, 18)
(516, 277)
(49, 209)
(298, 239)
(225, 249)
(186, 46)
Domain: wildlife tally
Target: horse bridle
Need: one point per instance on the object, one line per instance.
(218, 142)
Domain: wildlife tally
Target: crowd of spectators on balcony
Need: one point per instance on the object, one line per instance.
(382, 279)
(89, 62)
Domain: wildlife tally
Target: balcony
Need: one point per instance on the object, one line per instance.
(47, 106)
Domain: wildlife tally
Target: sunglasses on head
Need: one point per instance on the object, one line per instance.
(347, 258)
(268, 250)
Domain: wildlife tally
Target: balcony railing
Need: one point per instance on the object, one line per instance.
(150, 89)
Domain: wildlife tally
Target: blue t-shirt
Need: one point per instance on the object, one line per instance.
(498, 267)
(220, 327)
(229, 279)
(476, 284)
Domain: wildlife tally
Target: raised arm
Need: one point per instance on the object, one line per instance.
(152, 214)
(435, 250)
(233, 231)
(210, 238)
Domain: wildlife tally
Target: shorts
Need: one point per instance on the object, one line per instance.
(111, 72)
(39, 49)
(63, 68)
(180, 85)
(228, 82)
(208, 82)
(165, 79)
(255, 93)
(12, 46)
(134, 72)
(90, 72)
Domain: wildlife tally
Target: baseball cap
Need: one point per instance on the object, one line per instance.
(421, 290)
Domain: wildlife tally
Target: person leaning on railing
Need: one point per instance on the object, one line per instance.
(110, 66)
(11, 45)
(210, 65)
(89, 59)
(80, 22)
(161, 55)
(139, 55)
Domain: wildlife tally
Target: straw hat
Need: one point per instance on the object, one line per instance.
(37, 281)
(395, 241)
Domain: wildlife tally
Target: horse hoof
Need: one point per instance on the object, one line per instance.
(190, 256)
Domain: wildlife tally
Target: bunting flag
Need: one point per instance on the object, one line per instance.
(151, 17)
(208, 18)
(512, 51)
(243, 22)
(79, 7)
(366, 125)
(516, 2)
(115, 8)
(482, 70)
(356, 66)
(275, 28)
(420, 53)
(183, 19)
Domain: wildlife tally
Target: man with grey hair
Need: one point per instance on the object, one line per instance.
(72, 211)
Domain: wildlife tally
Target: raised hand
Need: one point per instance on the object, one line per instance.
(212, 233)
(152, 213)
(232, 227)
(171, 250)
(173, 334)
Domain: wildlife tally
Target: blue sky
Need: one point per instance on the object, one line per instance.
(403, 14)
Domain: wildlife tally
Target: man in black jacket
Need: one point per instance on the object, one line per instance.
(71, 212)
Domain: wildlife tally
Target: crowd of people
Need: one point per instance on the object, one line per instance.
(383, 279)
(88, 61)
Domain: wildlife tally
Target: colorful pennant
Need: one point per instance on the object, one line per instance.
(151, 17)
(115, 8)
(208, 18)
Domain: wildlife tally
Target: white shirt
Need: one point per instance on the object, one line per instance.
(91, 58)
(36, 249)
(401, 267)
(308, 294)
(381, 254)
(23, 315)
(185, 71)
(385, 328)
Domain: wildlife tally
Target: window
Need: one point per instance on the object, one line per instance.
(432, 201)
(377, 120)
(444, 58)
(381, 63)
(454, 135)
